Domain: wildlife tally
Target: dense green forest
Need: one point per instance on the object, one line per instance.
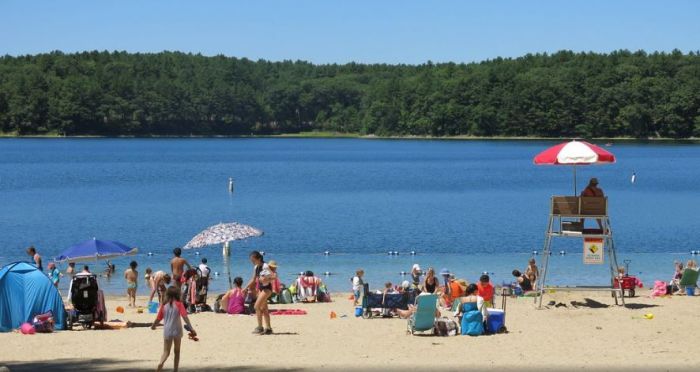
(566, 94)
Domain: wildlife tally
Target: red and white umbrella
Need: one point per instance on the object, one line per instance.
(574, 153)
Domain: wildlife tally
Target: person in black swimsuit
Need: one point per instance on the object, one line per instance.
(261, 283)
(523, 281)
(430, 283)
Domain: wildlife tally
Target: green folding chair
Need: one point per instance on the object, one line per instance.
(424, 317)
(689, 278)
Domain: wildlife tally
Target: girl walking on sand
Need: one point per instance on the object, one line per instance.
(262, 283)
(170, 313)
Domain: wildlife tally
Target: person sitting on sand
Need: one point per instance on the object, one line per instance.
(307, 286)
(472, 311)
(674, 285)
(234, 300)
(132, 278)
(486, 290)
(159, 283)
(523, 281)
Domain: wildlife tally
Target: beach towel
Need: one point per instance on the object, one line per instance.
(288, 312)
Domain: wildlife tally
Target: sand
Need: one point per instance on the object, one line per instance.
(558, 338)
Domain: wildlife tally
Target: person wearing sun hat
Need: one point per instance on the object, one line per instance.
(276, 284)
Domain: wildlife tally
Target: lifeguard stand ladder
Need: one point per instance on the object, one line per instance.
(566, 219)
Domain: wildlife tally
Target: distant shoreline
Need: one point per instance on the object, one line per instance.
(334, 135)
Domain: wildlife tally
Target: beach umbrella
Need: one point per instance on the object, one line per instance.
(223, 233)
(94, 249)
(574, 153)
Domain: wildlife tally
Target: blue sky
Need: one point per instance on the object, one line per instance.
(328, 31)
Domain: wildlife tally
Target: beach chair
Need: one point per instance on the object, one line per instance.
(689, 278)
(424, 317)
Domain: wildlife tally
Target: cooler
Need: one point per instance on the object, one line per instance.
(496, 320)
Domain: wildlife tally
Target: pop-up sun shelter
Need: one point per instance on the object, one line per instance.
(25, 292)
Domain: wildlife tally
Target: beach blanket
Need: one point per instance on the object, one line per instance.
(288, 312)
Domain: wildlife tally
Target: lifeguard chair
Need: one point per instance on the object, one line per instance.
(566, 220)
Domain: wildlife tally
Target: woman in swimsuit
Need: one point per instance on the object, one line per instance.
(430, 283)
(523, 281)
(262, 283)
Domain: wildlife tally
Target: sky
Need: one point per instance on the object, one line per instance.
(374, 31)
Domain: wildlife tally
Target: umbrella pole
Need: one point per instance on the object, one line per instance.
(575, 193)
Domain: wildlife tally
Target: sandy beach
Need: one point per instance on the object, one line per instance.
(581, 336)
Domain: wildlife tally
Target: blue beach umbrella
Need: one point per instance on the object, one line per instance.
(93, 250)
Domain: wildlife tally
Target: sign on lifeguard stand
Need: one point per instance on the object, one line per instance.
(593, 249)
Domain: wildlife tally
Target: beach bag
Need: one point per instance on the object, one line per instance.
(445, 327)
(44, 323)
(286, 296)
(659, 289)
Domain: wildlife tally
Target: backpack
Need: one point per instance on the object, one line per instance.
(445, 327)
(44, 323)
(285, 296)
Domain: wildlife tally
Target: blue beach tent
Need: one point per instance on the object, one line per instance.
(25, 292)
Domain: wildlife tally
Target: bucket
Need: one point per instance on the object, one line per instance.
(152, 307)
(358, 311)
(690, 291)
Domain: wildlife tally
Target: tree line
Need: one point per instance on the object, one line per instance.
(565, 94)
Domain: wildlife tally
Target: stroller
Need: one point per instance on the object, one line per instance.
(87, 300)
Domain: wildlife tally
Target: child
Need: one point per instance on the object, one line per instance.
(204, 268)
(170, 313)
(234, 300)
(532, 272)
(54, 274)
(132, 277)
(485, 290)
(357, 285)
(147, 276)
(71, 269)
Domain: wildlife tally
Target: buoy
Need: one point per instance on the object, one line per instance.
(216, 273)
(326, 253)
(413, 253)
(634, 177)
(230, 184)
(262, 253)
(484, 273)
(534, 253)
(150, 253)
(402, 273)
(550, 253)
(196, 253)
(396, 253)
(301, 273)
(327, 273)
(694, 252)
(562, 253)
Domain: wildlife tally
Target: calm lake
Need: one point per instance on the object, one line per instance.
(470, 206)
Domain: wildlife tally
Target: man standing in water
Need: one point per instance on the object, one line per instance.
(177, 266)
(35, 257)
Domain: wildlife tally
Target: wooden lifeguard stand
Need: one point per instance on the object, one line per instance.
(566, 220)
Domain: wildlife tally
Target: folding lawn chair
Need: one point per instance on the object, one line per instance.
(424, 317)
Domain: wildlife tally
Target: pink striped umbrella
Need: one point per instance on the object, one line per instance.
(574, 153)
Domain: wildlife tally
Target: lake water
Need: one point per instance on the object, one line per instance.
(470, 206)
